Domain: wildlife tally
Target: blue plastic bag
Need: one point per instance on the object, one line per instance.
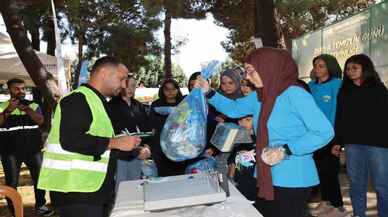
(210, 69)
(207, 164)
(184, 134)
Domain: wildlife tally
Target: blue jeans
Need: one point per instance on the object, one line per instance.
(362, 161)
(128, 170)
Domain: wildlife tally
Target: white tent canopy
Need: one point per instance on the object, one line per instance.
(11, 65)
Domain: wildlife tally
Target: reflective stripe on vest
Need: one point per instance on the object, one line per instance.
(57, 148)
(19, 128)
(66, 171)
(75, 164)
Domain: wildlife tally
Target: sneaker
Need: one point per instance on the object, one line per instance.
(337, 212)
(44, 211)
(322, 208)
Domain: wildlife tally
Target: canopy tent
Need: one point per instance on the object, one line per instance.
(12, 67)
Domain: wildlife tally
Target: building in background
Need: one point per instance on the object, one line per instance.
(366, 32)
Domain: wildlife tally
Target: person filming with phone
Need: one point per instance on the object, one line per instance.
(21, 140)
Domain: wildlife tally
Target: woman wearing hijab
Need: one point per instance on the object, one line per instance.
(324, 88)
(230, 87)
(289, 126)
(169, 96)
(230, 83)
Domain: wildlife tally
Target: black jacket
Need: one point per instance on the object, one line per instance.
(362, 116)
(128, 116)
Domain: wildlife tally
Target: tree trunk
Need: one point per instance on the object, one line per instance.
(287, 40)
(80, 59)
(266, 25)
(167, 45)
(40, 76)
(35, 37)
(51, 37)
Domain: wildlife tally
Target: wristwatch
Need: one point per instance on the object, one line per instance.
(287, 149)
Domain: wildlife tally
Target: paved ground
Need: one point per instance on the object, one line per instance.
(372, 209)
(26, 190)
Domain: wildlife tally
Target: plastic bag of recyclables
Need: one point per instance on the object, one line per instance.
(184, 134)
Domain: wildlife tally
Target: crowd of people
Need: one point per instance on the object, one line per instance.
(298, 132)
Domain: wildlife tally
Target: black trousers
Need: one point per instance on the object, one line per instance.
(328, 169)
(84, 210)
(289, 202)
(167, 167)
(246, 182)
(12, 165)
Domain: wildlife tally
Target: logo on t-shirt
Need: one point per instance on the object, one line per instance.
(326, 98)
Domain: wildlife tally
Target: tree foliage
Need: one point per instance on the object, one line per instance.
(152, 74)
(296, 17)
(119, 28)
(38, 73)
(38, 21)
(187, 9)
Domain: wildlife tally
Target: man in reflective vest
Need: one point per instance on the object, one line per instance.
(20, 140)
(77, 168)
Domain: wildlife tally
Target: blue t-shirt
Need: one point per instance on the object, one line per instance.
(296, 121)
(325, 95)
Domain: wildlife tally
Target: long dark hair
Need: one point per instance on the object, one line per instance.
(193, 77)
(304, 85)
(161, 95)
(369, 74)
(332, 65)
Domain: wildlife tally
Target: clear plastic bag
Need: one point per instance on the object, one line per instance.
(148, 169)
(226, 135)
(164, 110)
(184, 134)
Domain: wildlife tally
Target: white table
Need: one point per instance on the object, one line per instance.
(129, 203)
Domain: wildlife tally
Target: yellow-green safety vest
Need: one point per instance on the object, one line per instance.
(18, 124)
(65, 171)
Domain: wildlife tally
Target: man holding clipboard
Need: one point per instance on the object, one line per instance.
(77, 168)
